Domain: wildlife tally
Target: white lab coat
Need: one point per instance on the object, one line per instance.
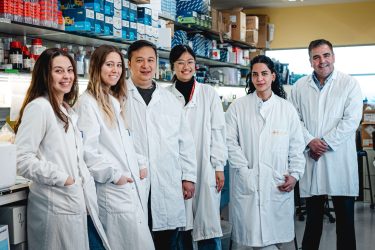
(265, 142)
(333, 114)
(109, 153)
(56, 214)
(162, 134)
(204, 112)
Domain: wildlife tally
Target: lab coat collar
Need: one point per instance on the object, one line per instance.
(313, 85)
(193, 102)
(261, 104)
(133, 89)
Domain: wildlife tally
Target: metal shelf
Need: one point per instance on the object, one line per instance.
(23, 29)
(163, 53)
(15, 193)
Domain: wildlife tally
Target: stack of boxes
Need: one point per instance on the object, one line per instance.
(252, 26)
(236, 20)
(48, 13)
(115, 19)
(194, 12)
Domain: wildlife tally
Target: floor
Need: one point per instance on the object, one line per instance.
(365, 231)
(364, 227)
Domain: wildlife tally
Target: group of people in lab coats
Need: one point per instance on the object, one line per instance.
(132, 165)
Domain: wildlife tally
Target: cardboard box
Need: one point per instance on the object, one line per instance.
(214, 16)
(252, 37)
(252, 23)
(263, 32)
(369, 116)
(15, 218)
(237, 20)
(255, 52)
(366, 134)
(4, 237)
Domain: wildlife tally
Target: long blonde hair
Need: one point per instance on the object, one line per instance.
(95, 85)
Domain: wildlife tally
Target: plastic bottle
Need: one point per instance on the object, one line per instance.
(80, 56)
(69, 49)
(1, 52)
(15, 55)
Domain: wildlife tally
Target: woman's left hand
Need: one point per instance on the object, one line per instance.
(289, 184)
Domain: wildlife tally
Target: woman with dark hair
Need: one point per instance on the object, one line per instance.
(62, 210)
(265, 152)
(204, 112)
(109, 152)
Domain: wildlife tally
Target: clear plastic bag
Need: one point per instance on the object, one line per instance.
(7, 134)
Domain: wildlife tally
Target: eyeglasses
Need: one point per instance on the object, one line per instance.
(181, 63)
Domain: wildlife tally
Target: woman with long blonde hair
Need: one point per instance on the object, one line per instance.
(109, 152)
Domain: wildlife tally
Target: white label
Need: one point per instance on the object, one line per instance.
(15, 58)
(133, 6)
(108, 19)
(117, 4)
(99, 16)
(125, 3)
(117, 22)
(26, 63)
(133, 25)
(109, 1)
(90, 13)
(125, 23)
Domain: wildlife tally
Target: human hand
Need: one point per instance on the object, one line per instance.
(69, 181)
(288, 185)
(314, 156)
(123, 180)
(143, 173)
(219, 175)
(318, 146)
(188, 189)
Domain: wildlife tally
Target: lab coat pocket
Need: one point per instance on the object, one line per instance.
(119, 198)
(276, 194)
(245, 181)
(67, 199)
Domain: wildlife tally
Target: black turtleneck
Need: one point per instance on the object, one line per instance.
(185, 88)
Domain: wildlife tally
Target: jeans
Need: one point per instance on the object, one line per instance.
(165, 240)
(95, 242)
(210, 244)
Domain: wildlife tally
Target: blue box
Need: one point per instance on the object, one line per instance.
(108, 7)
(133, 31)
(96, 5)
(133, 12)
(79, 19)
(125, 10)
(99, 23)
(144, 15)
(108, 25)
(125, 29)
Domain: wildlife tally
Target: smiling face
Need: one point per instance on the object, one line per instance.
(184, 67)
(111, 70)
(142, 66)
(322, 60)
(262, 78)
(62, 76)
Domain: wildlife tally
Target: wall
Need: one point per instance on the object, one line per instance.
(342, 24)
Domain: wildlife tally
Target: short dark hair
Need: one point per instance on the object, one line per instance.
(138, 45)
(276, 86)
(177, 51)
(319, 42)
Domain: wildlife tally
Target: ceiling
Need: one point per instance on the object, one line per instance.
(246, 4)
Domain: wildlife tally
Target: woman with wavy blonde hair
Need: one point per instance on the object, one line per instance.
(109, 152)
